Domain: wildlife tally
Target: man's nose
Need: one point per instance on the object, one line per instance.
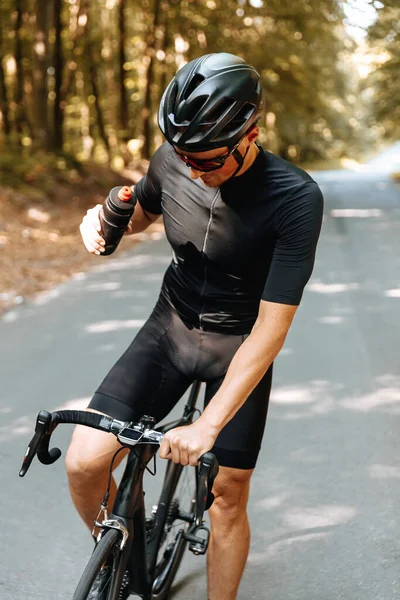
(194, 174)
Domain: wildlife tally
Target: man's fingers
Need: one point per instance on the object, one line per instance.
(184, 455)
(128, 229)
(94, 243)
(93, 247)
(93, 215)
(90, 227)
(193, 460)
(165, 449)
(181, 448)
(175, 453)
(90, 236)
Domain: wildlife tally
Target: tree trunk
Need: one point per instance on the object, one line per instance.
(41, 51)
(3, 93)
(4, 100)
(147, 107)
(58, 63)
(94, 81)
(123, 102)
(19, 89)
(164, 80)
(79, 33)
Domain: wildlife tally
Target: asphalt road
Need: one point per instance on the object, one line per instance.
(325, 496)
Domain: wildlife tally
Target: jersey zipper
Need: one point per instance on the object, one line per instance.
(204, 250)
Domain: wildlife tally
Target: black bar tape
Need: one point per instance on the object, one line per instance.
(81, 417)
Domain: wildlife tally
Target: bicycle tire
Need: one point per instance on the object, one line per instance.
(170, 554)
(108, 544)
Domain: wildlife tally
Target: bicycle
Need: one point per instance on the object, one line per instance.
(149, 549)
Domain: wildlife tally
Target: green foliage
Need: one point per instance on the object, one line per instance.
(39, 169)
(384, 81)
(301, 50)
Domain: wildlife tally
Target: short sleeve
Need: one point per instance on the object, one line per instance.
(298, 226)
(148, 189)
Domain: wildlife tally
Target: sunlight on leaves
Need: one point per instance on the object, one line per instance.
(36, 214)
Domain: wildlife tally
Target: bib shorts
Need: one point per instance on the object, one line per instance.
(164, 358)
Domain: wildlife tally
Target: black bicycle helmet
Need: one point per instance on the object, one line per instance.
(211, 102)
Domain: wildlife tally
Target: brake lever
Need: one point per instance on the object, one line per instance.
(39, 444)
(208, 470)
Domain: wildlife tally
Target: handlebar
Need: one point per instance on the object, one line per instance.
(129, 434)
(46, 423)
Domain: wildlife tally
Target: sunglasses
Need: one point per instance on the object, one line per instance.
(208, 164)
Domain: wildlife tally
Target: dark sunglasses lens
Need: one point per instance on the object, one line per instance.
(206, 165)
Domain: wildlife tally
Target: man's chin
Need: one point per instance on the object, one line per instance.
(210, 182)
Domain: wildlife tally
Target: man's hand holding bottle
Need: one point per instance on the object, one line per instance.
(104, 225)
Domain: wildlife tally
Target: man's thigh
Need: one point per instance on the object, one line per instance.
(239, 443)
(144, 380)
(92, 450)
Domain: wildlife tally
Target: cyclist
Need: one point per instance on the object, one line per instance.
(243, 224)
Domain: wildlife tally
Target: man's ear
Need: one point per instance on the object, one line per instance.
(252, 134)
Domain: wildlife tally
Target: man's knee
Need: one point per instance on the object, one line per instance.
(231, 491)
(90, 453)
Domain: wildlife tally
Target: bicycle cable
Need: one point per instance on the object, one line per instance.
(104, 502)
(143, 464)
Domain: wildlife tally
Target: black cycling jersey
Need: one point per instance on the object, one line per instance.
(254, 238)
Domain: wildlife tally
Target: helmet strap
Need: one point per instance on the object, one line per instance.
(239, 159)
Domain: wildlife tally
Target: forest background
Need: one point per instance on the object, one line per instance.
(81, 80)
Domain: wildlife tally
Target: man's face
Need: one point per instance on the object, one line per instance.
(217, 177)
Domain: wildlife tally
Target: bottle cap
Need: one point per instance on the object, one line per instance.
(125, 193)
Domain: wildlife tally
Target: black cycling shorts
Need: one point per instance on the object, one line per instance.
(163, 360)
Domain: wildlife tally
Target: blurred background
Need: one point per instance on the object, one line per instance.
(80, 83)
(84, 77)
(81, 80)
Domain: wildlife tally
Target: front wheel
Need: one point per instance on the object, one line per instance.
(167, 528)
(98, 578)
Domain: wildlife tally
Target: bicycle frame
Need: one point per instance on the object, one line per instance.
(128, 512)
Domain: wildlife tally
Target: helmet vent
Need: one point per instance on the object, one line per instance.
(219, 110)
(197, 79)
(172, 99)
(194, 106)
(244, 113)
(236, 124)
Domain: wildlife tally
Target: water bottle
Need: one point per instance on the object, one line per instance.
(115, 215)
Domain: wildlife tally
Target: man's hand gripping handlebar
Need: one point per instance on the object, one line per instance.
(128, 434)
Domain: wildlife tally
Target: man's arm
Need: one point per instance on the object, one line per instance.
(148, 191)
(140, 220)
(248, 366)
(250, 363)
